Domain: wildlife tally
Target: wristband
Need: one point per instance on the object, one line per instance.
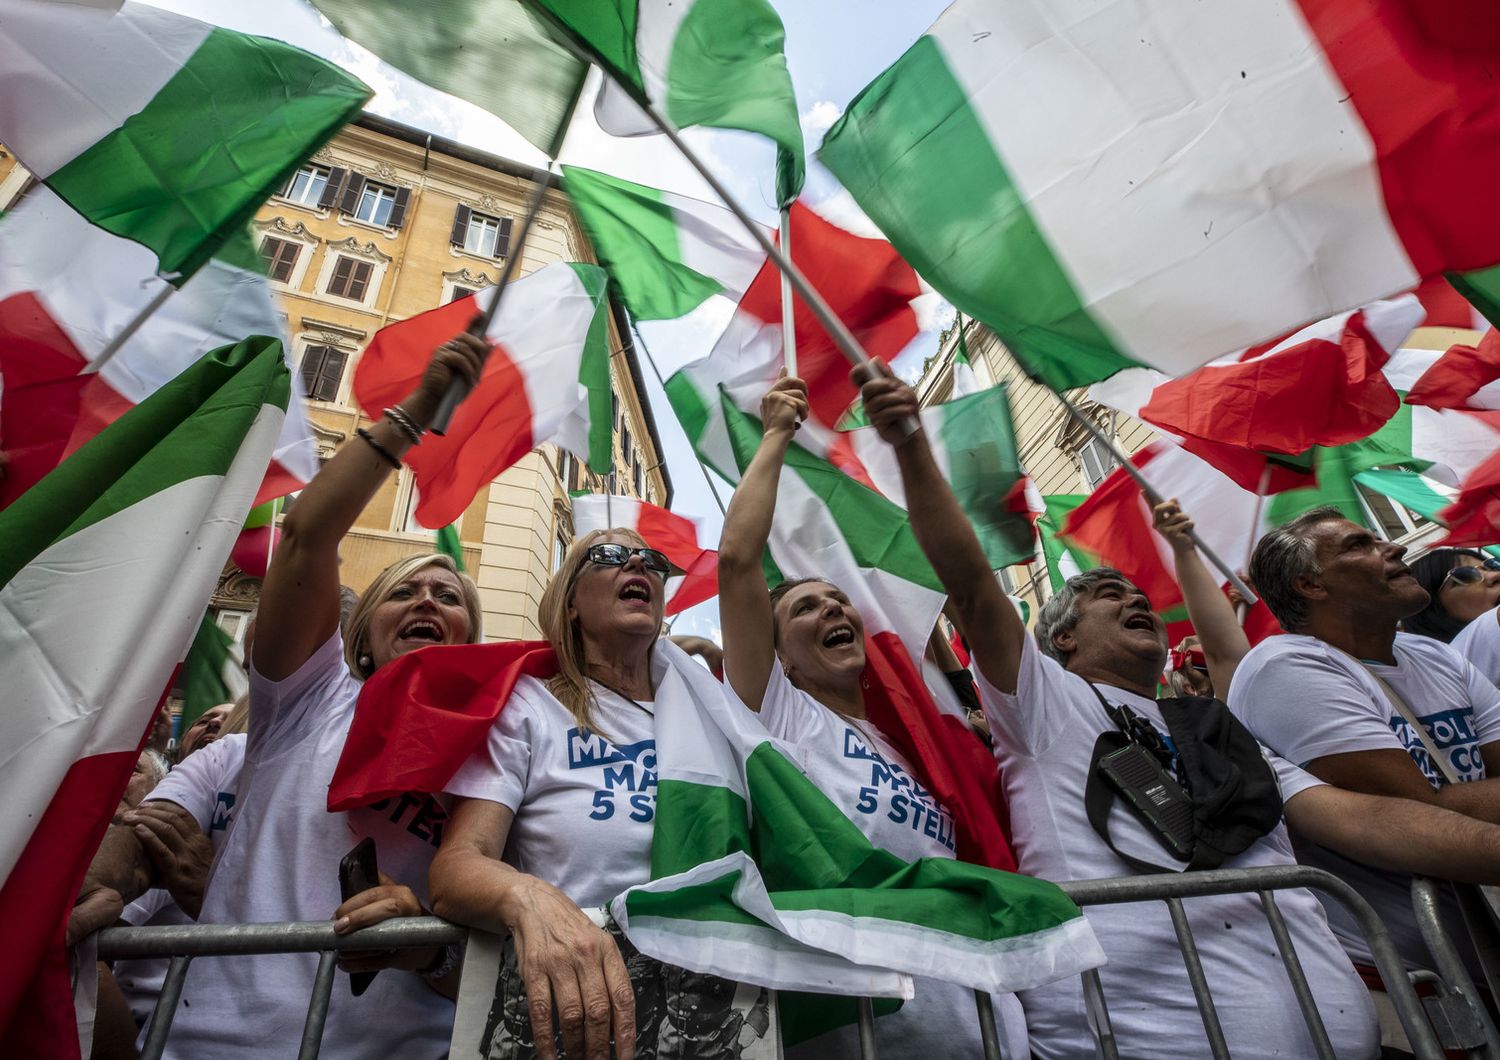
(389, 457)
(403, 422)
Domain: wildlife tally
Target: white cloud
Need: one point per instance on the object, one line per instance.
(818, 119)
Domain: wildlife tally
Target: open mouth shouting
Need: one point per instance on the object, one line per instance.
(636, 590)
(840, 636)
(1141, 620)
(424, 630)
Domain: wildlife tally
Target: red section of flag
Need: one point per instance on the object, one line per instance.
(36, 996)
(949, 759)
(678, 538)
(1249, 469)
(1422, 77)
(864, 281)
(1114, 524)
(1473, 520)
(1445, 307)
(490, 431)
(1458, 374)
(252, 549)
(842, 455)
(1314, 393)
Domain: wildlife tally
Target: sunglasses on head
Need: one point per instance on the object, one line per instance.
(612, 555)
(1472, 575)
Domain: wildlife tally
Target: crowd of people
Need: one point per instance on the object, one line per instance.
(1360, 740)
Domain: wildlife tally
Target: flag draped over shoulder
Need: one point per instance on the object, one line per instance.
(756, 875)
(67, 290)
(159, 128)
(1254, 166)
(664, 531)
(88, 648)
(719, 63)
(546, 380)
(494, 53)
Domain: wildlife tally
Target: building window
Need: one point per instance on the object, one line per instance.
(350, 279)
(1096, 461)
(461, 292)
(306, 186)
(408, 521)
(376, 201)
(322, 369)
(614, 407)
(625, 441)
(640, 480)
(1390, 519)
(477, 233)
(559, 550)
(234, 623)
(280, 256)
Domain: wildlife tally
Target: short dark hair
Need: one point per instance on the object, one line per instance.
(1431, 571)
(1060, 613)
(1281, 557)
(779, 590)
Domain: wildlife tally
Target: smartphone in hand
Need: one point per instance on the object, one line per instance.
(358, 872)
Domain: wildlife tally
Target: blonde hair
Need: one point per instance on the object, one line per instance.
(356, 633)
(238, 718)
(571, 686)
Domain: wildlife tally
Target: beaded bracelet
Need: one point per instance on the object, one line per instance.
(403, 421)
(390, 457)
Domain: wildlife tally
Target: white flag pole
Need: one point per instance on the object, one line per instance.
(788, 316)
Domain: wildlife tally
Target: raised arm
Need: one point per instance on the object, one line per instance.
(299, 599)
(988, 620)
(744, 599)
(1212, 615)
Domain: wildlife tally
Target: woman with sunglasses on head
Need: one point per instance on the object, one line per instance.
(1464, 590)
(796, 655)
(553, 814)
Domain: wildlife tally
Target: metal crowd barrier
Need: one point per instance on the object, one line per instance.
(1457, 1010)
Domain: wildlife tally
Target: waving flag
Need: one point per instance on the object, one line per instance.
(664, 531)
(546, 380)
(159, 128)
(67, 290)
(1117, 184)
(105, 566)
(719, 63)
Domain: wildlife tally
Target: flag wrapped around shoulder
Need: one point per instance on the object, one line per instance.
(546, 380)
(664, 531)
(67, 290)
(719, 63)
(1255, 167)
(105, 566)
(159, 128)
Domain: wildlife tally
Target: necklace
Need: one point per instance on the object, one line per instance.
(634, 703)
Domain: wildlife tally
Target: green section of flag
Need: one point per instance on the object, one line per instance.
(1406, 488)
(494, 53)
(918, 162)
(635, 234)
(593, 371)
(984, 468)
(445, 540)
(193, 426)
(189, 170)
(203, 681)
(1482, 289)
(1058, 553)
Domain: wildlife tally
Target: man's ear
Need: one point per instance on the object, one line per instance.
(1311, 586)
(1065, 643)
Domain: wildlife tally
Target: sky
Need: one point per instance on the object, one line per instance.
(834, 48)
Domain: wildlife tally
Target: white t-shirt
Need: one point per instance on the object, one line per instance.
(1479, 642)
(280, 863)
(1305, 700)
(204, 785)
(1044, 737)
(871, 781)
(584, 803)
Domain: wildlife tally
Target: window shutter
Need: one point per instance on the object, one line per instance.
(329, 374)
(359, 280)
(349, 202)
(502, 241)
(460, 231)
(398, 208)
(312, 365)
(336, 178)
(338, 283)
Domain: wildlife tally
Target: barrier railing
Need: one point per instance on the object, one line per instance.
(1457, 1010)
(1465, 1014)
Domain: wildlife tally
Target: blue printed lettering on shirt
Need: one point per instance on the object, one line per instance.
(627, 775)
(1452, 732)
(906, 801)
(218, 820)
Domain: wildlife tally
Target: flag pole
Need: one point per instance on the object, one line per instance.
(116, 343)
(1152, 496)
(788, 316)
(1242, 612)
(707, 478)
(457, 388)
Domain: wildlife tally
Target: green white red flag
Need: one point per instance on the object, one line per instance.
(105, 566)
(212, 673)
(1254, 168)
(695, 577)
(162, 129)
(546, 380)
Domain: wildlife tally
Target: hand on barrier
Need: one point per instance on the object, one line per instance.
(97, 908)
(178, 849)
(390, 899)
(565, 959)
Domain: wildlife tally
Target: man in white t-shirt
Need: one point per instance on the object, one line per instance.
(1479, 642)
(1097, 643)
(1321, 696)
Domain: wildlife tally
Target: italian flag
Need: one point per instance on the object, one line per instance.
(1063, 561)
(720, 63)
(213, 672)
(667, 254)
(104, 569)
(67, 290)
(159, 128)
(696, 575)
(546, 380)
(1139, 184)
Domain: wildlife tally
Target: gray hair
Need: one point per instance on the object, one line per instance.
(1281, 557)
(1060, 613)
(159, 763)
